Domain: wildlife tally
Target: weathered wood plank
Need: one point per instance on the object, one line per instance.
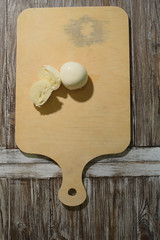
(117, 208)
(3, 73)
(116, 198)
(14, 8)
(137, 162)
(145, 73)
(84, 3)
(97, 170)
(141, 155)
(30, 210)
(4, 210)
(16, 156)
(58, 3)
(106, 214)
(148, 202)
(30, 170)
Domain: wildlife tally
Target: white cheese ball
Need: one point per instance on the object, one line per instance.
(73, 75)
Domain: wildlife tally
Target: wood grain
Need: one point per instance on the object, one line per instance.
(148, 211)
(3, 73)
(137, 162)
(30, 215)
(117, 208)
(96, 170)
(145, 73)
(4, 209)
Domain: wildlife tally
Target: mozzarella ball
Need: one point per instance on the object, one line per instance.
(73, 75)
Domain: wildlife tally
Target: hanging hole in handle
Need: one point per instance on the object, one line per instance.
(72, 192)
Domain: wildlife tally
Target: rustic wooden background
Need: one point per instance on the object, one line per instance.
(123, 191)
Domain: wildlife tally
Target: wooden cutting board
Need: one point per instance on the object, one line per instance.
(73, 127)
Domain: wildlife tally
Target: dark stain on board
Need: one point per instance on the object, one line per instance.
(85, 31)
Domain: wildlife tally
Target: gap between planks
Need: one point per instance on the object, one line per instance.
(134, 162)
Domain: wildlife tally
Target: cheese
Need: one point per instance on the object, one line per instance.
(40, 92)
(73, 75)
(50, 74)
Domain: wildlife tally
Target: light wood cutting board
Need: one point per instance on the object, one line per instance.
(73, 127)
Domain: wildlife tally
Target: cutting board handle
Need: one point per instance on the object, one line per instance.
(72, 191)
